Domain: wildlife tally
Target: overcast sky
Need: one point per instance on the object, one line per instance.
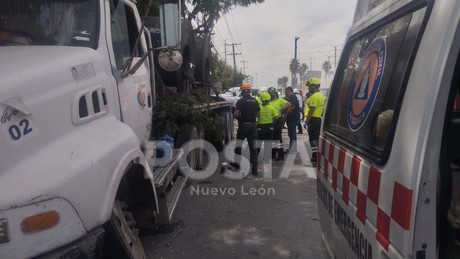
(267, 34)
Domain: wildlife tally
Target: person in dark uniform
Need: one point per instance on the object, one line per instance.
(247, 111)
(292, 117)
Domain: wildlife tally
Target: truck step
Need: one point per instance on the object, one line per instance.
(163, 175)
(168, 204)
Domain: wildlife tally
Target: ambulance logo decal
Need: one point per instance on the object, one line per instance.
(365, 84)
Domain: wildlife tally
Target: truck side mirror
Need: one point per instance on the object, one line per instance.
(170, 20)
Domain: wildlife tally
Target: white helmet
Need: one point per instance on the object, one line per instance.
(296, 91)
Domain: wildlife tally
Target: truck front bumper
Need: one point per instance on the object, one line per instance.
(89, 246)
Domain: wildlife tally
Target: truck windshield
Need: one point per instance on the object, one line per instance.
(48, 22)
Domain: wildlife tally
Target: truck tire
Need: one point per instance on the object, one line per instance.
(229, 126)
(219, 144)
(180, 77)
(201, 154)
(121, 238)
(186, 133)
(203, 60)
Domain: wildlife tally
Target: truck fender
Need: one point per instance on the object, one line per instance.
(134, 156)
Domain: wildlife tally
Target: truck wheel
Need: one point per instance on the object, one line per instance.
(219, 142)
(122, 239)
(203, 61)
(186, 133)
(201, 160)
(229, 126)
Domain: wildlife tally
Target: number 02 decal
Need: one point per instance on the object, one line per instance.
(16, 127)
(18, 131)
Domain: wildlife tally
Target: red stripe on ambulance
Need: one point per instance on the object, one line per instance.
(383, 229)
(331, 151)
(360, 191)
(355, 167)
(373, 186)
(342, 154)
(361, 204)
(401, 205)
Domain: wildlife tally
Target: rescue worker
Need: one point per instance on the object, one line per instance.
(302, 105)
(300, 100)
(292, 117)
(258, 99)
(247, 111)
(313, 114)
(278, 104)
(305, 109)
(267, 117)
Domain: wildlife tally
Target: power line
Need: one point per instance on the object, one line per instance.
(234, 54)
(218, 34)
(228, 28)
(234, 26)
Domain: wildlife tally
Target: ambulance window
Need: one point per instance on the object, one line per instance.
(366, 93)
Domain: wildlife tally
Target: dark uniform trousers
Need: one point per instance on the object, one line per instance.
(314, 127)
(264, 132)
(248, 130)
(278, 136)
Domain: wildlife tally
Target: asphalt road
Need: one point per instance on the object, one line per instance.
(249, 218)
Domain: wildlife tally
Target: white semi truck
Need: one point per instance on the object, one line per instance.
(77, 93)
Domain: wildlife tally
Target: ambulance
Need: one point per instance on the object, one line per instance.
(388, 173)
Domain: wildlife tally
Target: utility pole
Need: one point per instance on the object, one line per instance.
(244, 66)
(225, 44)
(294, 75)
(335, 58)
(295, 47)
(233, 54)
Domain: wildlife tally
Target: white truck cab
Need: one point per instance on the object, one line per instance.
(388, 176)
(76, 111)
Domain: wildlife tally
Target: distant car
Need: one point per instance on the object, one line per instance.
(231, 97)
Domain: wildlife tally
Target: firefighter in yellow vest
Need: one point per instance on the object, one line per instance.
(313, 113)
(267, 117)
(280, 104)
(258, 98)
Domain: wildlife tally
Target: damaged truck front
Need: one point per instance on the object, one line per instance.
(76, 103)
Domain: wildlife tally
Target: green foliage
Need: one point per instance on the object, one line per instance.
(191, 108)
(208, 12)
(221, 72)
(224, 73)
(238, 79)
(205, 13)
(294, 66)
(303, 69)
(282, 81)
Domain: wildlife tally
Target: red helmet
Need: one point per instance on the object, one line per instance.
(245, 86)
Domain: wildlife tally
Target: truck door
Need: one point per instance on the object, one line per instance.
(135, 89)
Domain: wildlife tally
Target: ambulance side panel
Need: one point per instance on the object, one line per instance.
(380, 142)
